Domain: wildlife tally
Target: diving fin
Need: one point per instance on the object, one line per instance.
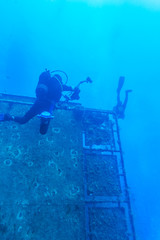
(6, 117)
(120, 83)
(1, 117)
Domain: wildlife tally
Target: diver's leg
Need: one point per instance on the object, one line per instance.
(33, 111)
(50, 106)
(120, 85)
(126, 99)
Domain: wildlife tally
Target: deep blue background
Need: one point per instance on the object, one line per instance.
(103, 41)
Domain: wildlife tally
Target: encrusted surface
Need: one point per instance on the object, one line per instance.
(102, 175)
(23, 220)
(42, 177)
(107, 224)
(98, 130)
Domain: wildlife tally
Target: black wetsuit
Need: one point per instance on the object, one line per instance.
(119, 109)
(48, 92)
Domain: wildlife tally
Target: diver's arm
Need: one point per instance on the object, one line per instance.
(67, 88)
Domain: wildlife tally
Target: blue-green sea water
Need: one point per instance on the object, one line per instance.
(103, 40)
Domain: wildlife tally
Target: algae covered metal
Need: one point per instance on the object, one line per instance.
(67, 184)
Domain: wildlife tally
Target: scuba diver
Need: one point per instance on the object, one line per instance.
(48, 92)
(119, 109)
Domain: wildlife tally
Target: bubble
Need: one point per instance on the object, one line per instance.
(56, 154)
(20, 229)
(74, 190)
(52, 164)
(15, 136)
(74, 153)
(56, 130)
(50, 139)
(14, 127)
(59, 171)
(75, 165)
(53, 192)
(20, 215)
(30, 164)
(35, 184)
(8, 162)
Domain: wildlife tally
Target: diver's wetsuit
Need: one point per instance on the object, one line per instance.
(38, 107)
(48, 92)
(119, 109)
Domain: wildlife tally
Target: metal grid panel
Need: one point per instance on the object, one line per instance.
(102, 175)
(107, 223)
(108, 212)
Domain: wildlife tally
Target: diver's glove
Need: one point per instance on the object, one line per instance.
(75, 94)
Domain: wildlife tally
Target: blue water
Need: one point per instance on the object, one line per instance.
(103, 41)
